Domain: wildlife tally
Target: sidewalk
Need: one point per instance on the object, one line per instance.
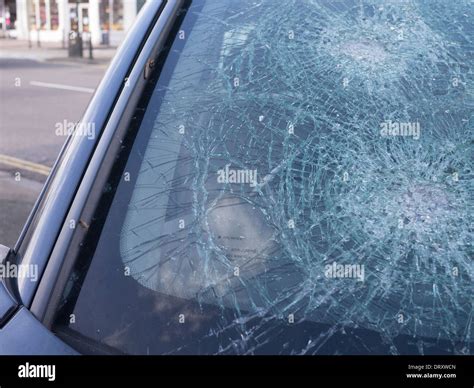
(52, 52)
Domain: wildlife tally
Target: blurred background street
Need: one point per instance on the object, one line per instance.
(31, 105)
(53, 54)
(35, 95)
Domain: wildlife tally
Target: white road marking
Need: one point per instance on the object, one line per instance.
(63, 87)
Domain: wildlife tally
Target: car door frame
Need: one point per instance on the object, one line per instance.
(90, 189)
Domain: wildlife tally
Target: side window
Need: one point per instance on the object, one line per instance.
(297, 184)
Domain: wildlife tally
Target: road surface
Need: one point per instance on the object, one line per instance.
(35, 96)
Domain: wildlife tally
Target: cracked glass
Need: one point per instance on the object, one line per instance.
(301, 183)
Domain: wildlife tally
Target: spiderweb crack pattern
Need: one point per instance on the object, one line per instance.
(330, 190)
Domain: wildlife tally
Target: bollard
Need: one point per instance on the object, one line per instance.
(75, 44)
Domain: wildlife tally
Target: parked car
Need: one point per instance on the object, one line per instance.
(263, 177)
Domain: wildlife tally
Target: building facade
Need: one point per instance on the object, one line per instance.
(107, 21)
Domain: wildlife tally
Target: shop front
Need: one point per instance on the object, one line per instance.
(52, 20)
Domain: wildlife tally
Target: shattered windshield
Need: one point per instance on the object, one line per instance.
(301, 183)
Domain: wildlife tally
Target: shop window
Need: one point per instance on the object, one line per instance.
(111, 15)
(53, 10)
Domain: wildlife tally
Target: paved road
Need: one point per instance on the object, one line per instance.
(34, 97)
(16, 200)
